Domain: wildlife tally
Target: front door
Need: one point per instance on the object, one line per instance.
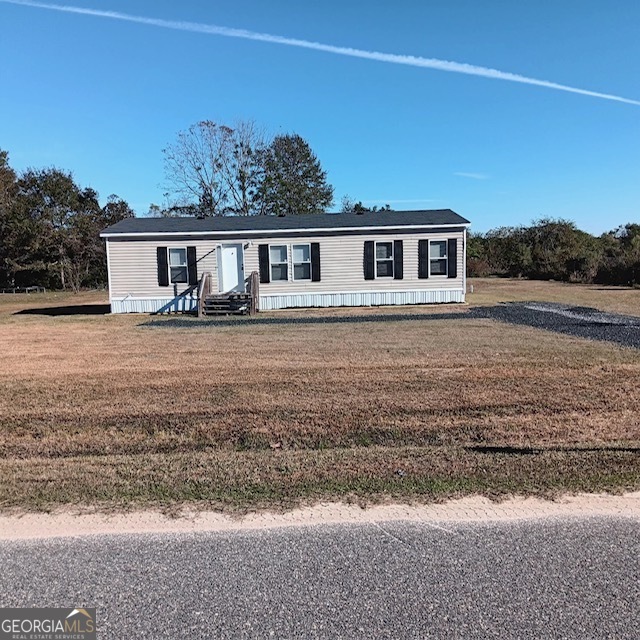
(230, 268)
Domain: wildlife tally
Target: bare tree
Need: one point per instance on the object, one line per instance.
(349, 205)
(243, 167)
(214, 169)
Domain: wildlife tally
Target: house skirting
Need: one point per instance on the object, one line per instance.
(154, 305)
(270, 302)
(360, 298)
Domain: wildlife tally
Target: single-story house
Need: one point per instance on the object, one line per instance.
(327, 260)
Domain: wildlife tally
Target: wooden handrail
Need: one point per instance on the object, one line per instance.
(204, 289)
(254, 290)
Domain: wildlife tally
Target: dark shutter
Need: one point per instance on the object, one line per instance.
(315, 261)
(369, 260)
(263, 259)
(452, 258)
(423, 258)
(192, 264)
(397, 260)
(163, 267)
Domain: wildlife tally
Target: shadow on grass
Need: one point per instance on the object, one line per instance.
(491, 449)
(529, 451)
(69, 310)
(588, 323)
(233, 321)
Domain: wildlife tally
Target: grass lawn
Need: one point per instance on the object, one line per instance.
(486, 291)
(100, 410)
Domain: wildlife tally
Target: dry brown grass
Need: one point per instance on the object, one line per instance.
(239, 481)
(614, 299)
(14, 302)
(99, 408)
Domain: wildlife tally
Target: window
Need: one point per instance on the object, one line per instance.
(301, 254)
(438, 257)
(384, 259)
(178, 265)
(279, 263)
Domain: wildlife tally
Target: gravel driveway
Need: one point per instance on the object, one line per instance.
(582, 322)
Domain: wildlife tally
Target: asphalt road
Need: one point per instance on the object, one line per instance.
(542, 579)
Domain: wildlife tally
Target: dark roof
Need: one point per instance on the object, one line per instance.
(434, 217)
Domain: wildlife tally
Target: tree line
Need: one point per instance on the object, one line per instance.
(50, 226)
(552, 249)
(50, 229)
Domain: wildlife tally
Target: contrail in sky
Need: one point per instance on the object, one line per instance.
(412, 61)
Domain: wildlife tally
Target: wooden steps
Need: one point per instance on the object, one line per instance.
(224, 304)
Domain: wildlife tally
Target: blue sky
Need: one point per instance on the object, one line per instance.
(102, 97)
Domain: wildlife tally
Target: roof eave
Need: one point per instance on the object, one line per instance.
(258, 232)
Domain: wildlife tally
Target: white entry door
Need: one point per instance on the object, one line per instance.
(231, 268)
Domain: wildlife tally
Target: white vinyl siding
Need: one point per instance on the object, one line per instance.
(133, 266)
(342, 260)
(134, 273)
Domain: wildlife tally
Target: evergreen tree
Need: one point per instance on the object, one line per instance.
(294, 182)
